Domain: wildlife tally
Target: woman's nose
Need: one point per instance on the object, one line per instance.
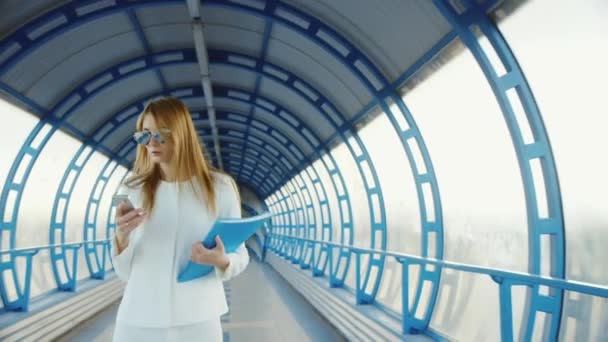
(153, 142)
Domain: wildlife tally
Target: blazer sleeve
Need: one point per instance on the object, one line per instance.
(122, 262)
(232, 207)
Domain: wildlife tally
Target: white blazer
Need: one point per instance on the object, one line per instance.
(161, 247)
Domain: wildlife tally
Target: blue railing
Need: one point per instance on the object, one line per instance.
(23, 293)
(504, 278)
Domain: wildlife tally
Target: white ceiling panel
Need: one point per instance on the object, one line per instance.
(13, 13)
(392, 33)
(195, 103)
(83, 65)
(227, 104)
(296, 105)
(302, 56)
(332, 83)
(169, 36)
(232, 77)
(233, 38)
(119, 134)
(271, 120)
(32, 68)
(181, 75)
(96, 109)
(163, 15)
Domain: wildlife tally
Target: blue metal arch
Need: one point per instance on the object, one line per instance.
(158, 60)
(363, 162)
(270, 133)
(322, 260)
(311, 229)
(310, 214)
(356, 61)
(297, 219)
(258, 79)
(302, 220)
(277, 222)
(13, 189)
(551, 227)
(95, 263)
(305, 265)
(314, 26)
(382, 91)
(111, 225)
(237, 156)
(288, 225)
(91, 251)
(280, 224)
(115, 123)
(299, 209)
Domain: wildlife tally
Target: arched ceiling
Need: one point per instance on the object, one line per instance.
(304, 68)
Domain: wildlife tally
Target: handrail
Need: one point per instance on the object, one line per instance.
(37, 248)
(497, 274)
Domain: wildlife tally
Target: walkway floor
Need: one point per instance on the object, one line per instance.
(263, 307)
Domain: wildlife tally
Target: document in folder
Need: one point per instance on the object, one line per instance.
(233, 233)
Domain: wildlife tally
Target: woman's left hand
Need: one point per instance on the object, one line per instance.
(215, 256)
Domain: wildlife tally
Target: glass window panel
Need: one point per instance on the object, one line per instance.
(359, 204)
(35, 211)
(12, 139)
(572, 44)
(334, 211)
(105, 207)
(400, 201)
(479, 180)
(468, 307)
(78, 205)
(314, 200)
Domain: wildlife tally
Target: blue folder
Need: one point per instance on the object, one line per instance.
(233, 233)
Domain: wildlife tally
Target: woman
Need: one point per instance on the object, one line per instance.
(177, 197)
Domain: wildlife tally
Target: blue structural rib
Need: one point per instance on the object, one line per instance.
(289, 223)
(96, 262)
(81, 93)
(306, 25)
(302, 221)
(276, 222)
(77, 14)
(297, 213)
(111, 223)
(258, 79)
(307, 249)
(543, 223)
(10, 202)
(190, 92)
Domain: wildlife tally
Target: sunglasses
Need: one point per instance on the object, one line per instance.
(144, 137)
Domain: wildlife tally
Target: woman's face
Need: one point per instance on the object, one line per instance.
(159, 151)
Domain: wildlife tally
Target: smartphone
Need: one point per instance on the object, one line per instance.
(117, 199)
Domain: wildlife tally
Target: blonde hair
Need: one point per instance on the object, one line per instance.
(188, 157)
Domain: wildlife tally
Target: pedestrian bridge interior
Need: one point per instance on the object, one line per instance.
(436, 168)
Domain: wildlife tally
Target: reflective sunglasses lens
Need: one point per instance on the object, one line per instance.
(142, 137)
(159, 137)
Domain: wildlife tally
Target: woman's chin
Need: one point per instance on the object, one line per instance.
(156, 159)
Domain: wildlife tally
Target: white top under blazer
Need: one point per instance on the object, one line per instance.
(161, 246)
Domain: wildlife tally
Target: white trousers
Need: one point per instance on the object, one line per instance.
(208, 331)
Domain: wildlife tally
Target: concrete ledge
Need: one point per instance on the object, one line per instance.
(355, 322)
(58, 319)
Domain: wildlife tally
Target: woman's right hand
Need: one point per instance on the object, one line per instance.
(127, 219)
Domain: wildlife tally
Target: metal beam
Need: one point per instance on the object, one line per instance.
(194, 8)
